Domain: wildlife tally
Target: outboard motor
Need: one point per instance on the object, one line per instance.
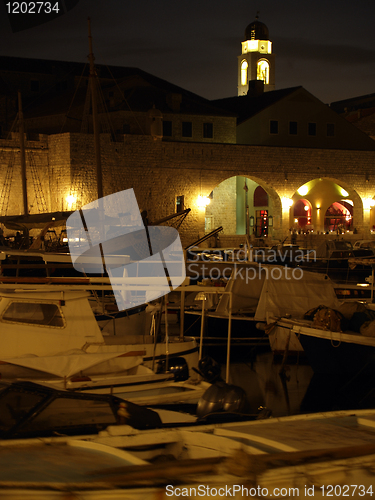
(220, 396)
(178, 366)
(209, 369)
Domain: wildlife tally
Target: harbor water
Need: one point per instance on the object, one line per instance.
(291, 387)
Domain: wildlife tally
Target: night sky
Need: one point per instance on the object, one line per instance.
(327, 46)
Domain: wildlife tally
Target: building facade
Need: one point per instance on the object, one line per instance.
(266, 162)
(162, 172)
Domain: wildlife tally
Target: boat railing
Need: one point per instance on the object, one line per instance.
(207, 290)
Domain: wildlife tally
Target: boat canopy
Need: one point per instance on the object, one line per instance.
(290, 295)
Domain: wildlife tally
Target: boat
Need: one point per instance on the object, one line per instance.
(284, 303)
(332, 258)
(34, 410)
(222, 312)
(345, 347)
(255, 301)
(309, 455)
(50, 335)
(338, 337)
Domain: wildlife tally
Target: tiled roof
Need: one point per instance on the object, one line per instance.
(247, 106)
(141, 89)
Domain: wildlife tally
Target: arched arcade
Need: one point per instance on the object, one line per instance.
(325, 206)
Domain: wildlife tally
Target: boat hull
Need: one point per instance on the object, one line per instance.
(337, 357)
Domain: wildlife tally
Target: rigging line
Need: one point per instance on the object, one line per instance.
(52, 87)
(74, 95)
(7, 184)
(126, 102)
(39, 195)
(13, 127)
(110, 127)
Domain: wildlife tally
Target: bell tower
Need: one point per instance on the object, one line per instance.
(256, 61)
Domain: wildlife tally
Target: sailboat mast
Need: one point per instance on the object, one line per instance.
(22, 152)
(94, 106)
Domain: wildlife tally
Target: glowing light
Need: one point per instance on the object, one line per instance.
(343, 192)
(263, 71)
(303, 190)
(71, 199)
(244, 67)
(368, 203)
(203, 201)
(305, 208)
(286, 202)
(318, 207)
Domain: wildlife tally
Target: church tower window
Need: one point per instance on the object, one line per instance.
(263, 71)
(244, 67)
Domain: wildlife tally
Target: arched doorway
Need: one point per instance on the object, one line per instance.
(241, 206)
(327, 206)
(339, 217)
(260, 202)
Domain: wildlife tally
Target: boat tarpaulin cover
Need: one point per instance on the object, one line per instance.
(289, 295)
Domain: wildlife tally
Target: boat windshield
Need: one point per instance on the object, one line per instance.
(34, 313)
(28, 410)
(67, 412)
(15, 405)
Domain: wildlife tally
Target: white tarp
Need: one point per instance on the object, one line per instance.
(67, 365)
(283, 293)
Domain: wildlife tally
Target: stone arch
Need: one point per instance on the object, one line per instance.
(232, 206)
(323, 192)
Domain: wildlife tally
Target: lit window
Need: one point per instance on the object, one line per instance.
(244, 67)
(274, 127)
(263, 68)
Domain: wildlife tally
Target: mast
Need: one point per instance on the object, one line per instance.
(95, 117)
(22, 152)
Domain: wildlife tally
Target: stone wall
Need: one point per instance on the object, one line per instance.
(159, 171)
(223, 206)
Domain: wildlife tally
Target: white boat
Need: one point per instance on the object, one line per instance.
(317, 455)
(341, 352)
(284, 301)
(259, 301)
(338, 337)
(49, 334)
